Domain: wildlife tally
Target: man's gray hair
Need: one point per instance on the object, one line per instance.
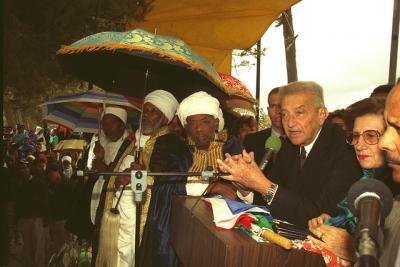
(310, 87)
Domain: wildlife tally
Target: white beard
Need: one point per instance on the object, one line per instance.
(68, 172)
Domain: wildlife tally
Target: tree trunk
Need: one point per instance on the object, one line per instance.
(394, 43)
(8, 112)
(290, 45)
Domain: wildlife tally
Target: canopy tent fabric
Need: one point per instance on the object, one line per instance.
(211, 28)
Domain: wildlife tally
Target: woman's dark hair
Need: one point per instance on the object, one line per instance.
(363, 107)
(340, 113)
(245, 120)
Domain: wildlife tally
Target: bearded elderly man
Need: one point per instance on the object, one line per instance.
(314, 168)
(114, 151)
(202, 119)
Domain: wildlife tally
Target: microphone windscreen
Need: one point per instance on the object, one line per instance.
(273, 143)
(371, 186)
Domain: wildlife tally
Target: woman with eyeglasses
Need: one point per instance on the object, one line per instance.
(365, 118)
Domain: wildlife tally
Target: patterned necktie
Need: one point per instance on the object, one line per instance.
(302, 156)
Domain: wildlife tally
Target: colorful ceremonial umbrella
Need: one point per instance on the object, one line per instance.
(240, 101)
(81, 112)
(136, 62)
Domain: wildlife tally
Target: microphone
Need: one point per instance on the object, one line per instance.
(371, 201)
(272, 145)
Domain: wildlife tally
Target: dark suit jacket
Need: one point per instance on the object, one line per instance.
(255, 142)
(329, 170)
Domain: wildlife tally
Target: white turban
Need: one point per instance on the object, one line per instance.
(66, 158)
(198, 103)
(164, 101)
(117, 111)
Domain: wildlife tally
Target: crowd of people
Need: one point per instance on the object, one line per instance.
(38, 189)
(323, 154)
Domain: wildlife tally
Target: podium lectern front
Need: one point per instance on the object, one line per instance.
(198, 243)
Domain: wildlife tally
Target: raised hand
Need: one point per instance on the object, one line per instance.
(244, 170)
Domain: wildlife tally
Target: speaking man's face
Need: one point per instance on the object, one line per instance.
(300, 118)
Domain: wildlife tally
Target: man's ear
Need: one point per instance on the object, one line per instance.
(322, 115)
(216, 125)
(165, 120)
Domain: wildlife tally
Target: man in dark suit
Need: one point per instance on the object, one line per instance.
(255, 142)
(312, 172)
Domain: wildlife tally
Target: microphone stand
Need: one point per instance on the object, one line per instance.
(139, 186)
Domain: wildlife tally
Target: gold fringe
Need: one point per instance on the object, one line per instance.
(108, 240)
(204, 158)
(147, 152)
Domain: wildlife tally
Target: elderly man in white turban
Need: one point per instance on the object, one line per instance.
(114, 239)
(202, 119)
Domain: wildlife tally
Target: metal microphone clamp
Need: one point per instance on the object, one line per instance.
(138, 184)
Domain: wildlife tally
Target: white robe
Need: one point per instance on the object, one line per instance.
(126, 206)
(127, 209)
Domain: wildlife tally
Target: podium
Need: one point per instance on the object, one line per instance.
(198, 243)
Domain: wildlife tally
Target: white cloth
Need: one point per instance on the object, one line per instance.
(195, 186)
(127, 209)
(223, 216)
(117, 111)
(140, 140)
(164, 101)
(66, 158)
(42, 143)
(246, 199)
(110, 148)
(198, 103)
(38, 129)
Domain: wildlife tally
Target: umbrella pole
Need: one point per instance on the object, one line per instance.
(98, 121)
(137, 160)
(137, 231)
(146, 79)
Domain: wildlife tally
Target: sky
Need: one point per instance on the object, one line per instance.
(344, 45)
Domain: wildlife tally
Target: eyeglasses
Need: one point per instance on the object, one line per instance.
(371, 137)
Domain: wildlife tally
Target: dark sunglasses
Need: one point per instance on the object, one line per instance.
(371, 137)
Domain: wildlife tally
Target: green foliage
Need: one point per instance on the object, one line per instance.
(263, 121)
(35, 30)
(246, 58)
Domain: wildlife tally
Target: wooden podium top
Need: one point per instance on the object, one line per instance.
(198, 243)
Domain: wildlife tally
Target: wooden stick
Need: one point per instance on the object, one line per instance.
(277, 239)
